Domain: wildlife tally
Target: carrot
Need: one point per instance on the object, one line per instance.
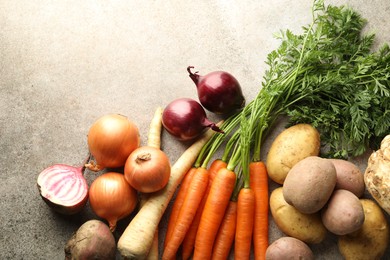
(259, 184)
(189, 239)
(213, 212)
(182, 191)
(187, 212)
(246, 196)
(226, 233)
(215, 166)
(137, 238)
(245, 219)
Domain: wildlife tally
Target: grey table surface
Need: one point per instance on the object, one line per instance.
(63, 64)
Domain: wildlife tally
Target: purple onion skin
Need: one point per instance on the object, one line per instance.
(218, 91)
(185, 119)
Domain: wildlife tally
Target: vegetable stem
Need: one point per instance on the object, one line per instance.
(327, 77)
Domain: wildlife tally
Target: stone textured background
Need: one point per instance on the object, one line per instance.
(63, 64)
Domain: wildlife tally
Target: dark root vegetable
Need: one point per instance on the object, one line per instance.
(218, 91)
(63, 188)
(93, 240)
(186, 119)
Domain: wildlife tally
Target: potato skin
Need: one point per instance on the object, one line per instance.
(289, 248)
(343, 214)
(349, 177)
(309, 184)
(289, 147)
(371, 240)
(305, 227)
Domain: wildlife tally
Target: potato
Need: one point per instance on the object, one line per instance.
(349, 177)
(371, 240)
(343, 213)
(289, 147)
(377, 177)
(288, 248)
(309, 184)
(305, 227)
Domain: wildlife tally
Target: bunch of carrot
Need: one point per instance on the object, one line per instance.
(222, 205)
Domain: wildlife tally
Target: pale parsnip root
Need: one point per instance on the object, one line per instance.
(154, 140)
(154, 135)
(137, 239)
(153, 253)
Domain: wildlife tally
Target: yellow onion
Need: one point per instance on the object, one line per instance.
(147, 169)
(111, 139)
(112, 198)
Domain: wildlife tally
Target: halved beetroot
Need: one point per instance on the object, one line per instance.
(63, 188)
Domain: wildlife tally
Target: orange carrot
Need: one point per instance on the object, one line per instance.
(245, 219)
(181, 193)
(189, 240)
(215, 166)
(187, 212)
(226, 233)
(221, 190)
(259, 184)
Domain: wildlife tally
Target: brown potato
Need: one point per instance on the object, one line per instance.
(288, 248)
(371, 240)
(349, 177)
(309, 184)
(343, 213)
(306, 227)
(289, 147)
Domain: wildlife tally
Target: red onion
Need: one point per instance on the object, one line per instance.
(218, 91)
(63, 188)
(186, 119)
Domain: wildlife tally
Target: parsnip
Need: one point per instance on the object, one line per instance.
(154, 135)
(137, 238)
(154, 140)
